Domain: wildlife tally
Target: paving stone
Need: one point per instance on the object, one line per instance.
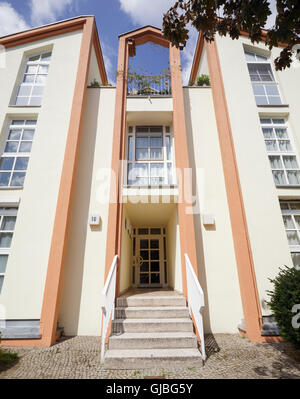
(229, 356)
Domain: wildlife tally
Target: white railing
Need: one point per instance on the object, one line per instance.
(195, 301)
(108, 302)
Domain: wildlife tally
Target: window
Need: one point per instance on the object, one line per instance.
(282, 157)
(16, 152)
(149, 155)
(30, 91)
(8, 218)
(264, 85)
(291, 218)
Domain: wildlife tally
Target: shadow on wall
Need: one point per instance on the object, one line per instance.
(197, 218)
(74, 265)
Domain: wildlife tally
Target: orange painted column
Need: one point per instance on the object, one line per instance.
(114, 229)
(243, 253)
(186, 219)
(53, 285)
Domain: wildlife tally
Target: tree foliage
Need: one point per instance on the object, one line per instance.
(249, 16)
(283, 298)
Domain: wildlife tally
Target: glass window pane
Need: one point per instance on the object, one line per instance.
(293, 177)
(284, 205)
(17, 122)
(275, 162)
(14, 134)
(5, 240)
(141, 142)
(30, 122)
(144, 255)
(154, 266)
(18, 179)
(144, 278)
(21, 163)
(130, 149)
(11, 146)
(28, 134)
(295, 205)
(141, 169)
(43, 69)
(34, 58)
(168, 147)
(22, 101)
(24, 90)
(1, 282)
(35, 101)
(271, 145)
(268, 133)
(46, 57)
(37, 91)
(265, 121)
(28, 78)
(288, 222)
(156, 141)
(6, 163)
(144, 244)
(261, 100)
(278, 121)
(279, 177)
(281, 133)
(144, 267)
(154, 244)
(3, 263)
(250, 56)
(31, 69)
(25, 146)
(154, 255)
(285, 145)
(274, 100)
(155, 278)
(4, 179)
(297, 220)
(8, 223)
(296, 258)
(272, 90)
(156, 153)
(293, 238)
(290, 162)
(141, 154)
(258, 90)
(41, 79)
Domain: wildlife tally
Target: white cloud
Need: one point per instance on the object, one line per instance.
(48, 11)
(145, 12)
(10, 20)
(108, 53)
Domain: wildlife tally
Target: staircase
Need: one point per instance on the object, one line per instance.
(152, 329)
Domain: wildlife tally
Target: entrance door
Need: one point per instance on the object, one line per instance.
(150, 260)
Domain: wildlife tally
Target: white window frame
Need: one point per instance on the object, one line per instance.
(263, 84)
(34, 84)
(17, 154)
(291, 212)
(7, 211)
(166, 133)
(280, 153)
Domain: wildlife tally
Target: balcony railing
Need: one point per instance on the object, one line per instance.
(149, 85)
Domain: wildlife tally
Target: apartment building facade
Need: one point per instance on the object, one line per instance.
(95, 177)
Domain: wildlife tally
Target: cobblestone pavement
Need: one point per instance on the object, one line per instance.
(229, 356)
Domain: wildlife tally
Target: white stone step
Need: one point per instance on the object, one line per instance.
(155, 312)
(163, 340)
(152, 325)
(151, 358)
(141, 300)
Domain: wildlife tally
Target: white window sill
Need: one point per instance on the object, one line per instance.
(11, 188)
(288, 186)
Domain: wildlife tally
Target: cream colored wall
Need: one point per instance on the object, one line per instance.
(80, 310)
(267, 235)
(126, 256)
(23, 288)
(145, 104)
(203, 65)
(216, 258)
(94, 73)
(173, 252)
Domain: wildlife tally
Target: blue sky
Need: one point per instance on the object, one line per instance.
(113, 18)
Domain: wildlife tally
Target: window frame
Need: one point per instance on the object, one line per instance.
(166, 133)
(294, 249)
(32, 84)
(17, 154)
(279, 153)
(263, 84)
(11, 211)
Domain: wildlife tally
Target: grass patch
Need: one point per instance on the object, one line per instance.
(7, 360)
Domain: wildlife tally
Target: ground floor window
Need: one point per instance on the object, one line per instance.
(291, 218)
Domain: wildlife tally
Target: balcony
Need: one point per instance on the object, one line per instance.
(149, 85)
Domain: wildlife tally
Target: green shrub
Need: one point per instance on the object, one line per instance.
(285, 295)
(203, 80)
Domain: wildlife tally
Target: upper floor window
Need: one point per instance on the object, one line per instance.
(264, 85)
(31, 88)
(281, 153)
(149, 156)
(8, 218)
(16, 152)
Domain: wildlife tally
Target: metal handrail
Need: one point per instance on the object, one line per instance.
(108, 302)
(195, 301)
